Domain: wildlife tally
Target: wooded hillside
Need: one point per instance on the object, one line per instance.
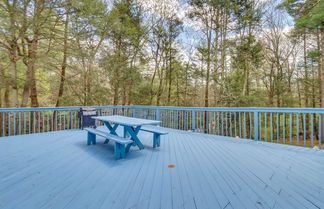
(162, 52)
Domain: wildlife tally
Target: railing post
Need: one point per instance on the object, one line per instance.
(256, 125)
(157, 116)
(193, 120)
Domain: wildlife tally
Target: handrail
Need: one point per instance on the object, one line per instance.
(236, 109)
(219, 109)
(22, 109)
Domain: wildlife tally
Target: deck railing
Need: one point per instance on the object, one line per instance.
(295, 126)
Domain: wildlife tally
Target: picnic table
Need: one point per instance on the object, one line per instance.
(132, 126)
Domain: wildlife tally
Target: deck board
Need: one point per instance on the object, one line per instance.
(58, 170)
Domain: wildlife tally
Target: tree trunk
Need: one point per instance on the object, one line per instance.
(156, 69)
(319, 64)
(13, 80)
(2, 79)
(306, 71)
(33, 89)
(6, 97)
(208, 68)
(64, 63)
(32, 52)
(322, 78)
(159, 93)
(26, 90)
(170, 76)
(32, 45)
(186, 84)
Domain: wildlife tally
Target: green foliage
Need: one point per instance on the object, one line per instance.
(309, 13)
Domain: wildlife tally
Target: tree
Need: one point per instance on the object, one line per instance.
(67, 7)
(309, 15)
(121, 60)
(204, 12)
(10, 12)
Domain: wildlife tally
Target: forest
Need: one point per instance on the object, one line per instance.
(211, 53)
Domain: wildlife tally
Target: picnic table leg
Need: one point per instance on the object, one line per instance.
(128, 147)
(116, 151)
(125, 132)
(133, 133)
(91, 138)
(112, 130)
(156, 140)
(119, 151)
(122, 151)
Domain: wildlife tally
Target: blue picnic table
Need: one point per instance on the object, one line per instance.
(132, 126)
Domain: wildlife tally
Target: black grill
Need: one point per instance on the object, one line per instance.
(85, 115)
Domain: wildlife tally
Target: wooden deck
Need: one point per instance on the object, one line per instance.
(58, 170)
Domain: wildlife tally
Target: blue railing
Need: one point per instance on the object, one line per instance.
(295, 126)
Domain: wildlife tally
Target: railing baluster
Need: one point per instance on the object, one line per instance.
(43, 127)
(34, 122)
(39, 130)
(304, 124)
(251, 126)
(320, 131)
(214, 124)
(240, 125)
(19, 123)
(265, 127)
(290, 128)
(60, 115)
(47, 121)
(235, 131)
(14, 124)
(73, 120)
(256, 126)
(312, 130)
(222, 123)
(284, 127)
(297, 129)
(52, 119)
(271, 127)
(278, 125)
(29, 122)
(230, 124)
(260, 126)
(9, 128)
(218, 124)
(55, 119)
(211, 122)
(64, 118)
(226, 122)
(24, 122)
(193, 120)
(184, 119)
(244, 125)
(3, 124)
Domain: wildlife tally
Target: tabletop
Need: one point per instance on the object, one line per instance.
(128, 121)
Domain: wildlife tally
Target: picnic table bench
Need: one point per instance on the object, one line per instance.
(156, 134)
(120, 142)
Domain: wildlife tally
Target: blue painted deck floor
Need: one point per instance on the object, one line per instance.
(58, 170)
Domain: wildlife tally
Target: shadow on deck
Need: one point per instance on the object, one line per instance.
(58, 170)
